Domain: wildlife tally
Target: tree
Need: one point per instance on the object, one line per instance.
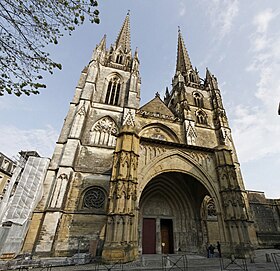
(26, 27)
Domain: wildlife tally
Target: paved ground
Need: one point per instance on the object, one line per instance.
(263, 260)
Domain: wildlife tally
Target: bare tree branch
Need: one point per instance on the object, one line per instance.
(26, 27)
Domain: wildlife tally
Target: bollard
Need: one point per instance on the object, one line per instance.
(143, 261)
(268, 259)
(168, 262)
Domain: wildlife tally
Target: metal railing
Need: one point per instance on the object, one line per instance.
(276, 260)
(233, 264)
(174, 262)
(26, 265)
(105, 266)
(178, 262)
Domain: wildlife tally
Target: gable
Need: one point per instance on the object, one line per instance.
(156, 105)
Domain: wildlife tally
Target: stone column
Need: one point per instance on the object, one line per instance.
(239, 240)
(121, 242)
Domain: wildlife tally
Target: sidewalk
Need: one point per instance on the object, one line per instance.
(154, 262)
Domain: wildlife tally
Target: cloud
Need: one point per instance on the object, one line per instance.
(13, 140)
(255, 133)
(263, 19)
(222, 14)
(257, 128)
(182, 10)
(266, 60)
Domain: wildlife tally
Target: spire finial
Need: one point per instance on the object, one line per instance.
(128, 12)
(179, 30)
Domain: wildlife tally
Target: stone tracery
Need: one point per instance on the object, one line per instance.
(104, 132)
(94, 198)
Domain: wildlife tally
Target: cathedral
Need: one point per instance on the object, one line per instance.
(127, 180)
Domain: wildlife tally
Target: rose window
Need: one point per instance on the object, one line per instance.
(94, 198)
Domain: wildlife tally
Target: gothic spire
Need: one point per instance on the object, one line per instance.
(183, 59)
(123, 38)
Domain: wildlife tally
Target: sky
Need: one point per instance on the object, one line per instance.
(239, 41)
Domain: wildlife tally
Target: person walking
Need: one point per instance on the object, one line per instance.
(219, 249)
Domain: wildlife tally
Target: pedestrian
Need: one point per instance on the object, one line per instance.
(207, 249)
(211, 251)
(219, 249)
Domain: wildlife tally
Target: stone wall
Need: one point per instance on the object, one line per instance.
(266, 215)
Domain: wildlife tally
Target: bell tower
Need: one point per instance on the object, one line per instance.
(198, 103)
(72, 213)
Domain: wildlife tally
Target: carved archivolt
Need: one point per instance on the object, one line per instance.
(104, 132)
(176, 161)
(204, 159)
(148, 152)
(159, 132)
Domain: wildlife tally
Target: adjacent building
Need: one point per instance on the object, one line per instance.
(7, 167)
(23, 190)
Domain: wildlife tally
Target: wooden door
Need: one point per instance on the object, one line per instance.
(166, 230)
(149, 236)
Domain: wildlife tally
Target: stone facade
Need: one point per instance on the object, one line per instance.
(125, 180)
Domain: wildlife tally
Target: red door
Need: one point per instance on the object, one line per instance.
(149, 236)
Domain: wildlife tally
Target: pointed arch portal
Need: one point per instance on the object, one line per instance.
(172, 215)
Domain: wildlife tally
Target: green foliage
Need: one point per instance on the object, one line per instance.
(26, 26)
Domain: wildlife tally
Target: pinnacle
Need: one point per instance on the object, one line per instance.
(102, 44)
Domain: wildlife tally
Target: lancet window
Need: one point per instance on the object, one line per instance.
(119, 59)
(104, 132)
(191, 76)
(198, 99)
(201, 117)
(113, 91)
